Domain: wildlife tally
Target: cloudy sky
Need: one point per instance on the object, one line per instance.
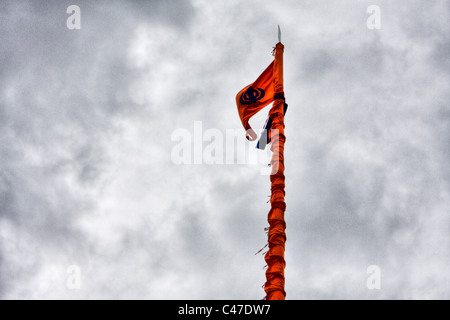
(87, 176)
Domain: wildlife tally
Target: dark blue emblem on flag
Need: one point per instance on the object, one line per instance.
(251, 95)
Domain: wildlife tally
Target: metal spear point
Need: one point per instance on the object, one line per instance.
(279, 34)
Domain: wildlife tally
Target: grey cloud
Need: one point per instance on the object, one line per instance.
(61, 93)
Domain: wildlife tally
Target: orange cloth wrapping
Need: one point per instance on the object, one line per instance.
(274, 286)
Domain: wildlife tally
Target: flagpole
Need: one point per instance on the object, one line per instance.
(275, 284)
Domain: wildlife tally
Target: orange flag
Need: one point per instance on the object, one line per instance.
(269, 88)
(255, 97)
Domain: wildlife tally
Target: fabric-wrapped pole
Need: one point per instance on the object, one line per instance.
(275, 284)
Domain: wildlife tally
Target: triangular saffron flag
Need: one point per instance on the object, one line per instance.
(255, 97)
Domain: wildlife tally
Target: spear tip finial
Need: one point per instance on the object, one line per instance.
(279, 34)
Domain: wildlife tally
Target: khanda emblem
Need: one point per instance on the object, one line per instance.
(251, 95)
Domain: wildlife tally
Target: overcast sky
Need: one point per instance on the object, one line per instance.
(86, 124)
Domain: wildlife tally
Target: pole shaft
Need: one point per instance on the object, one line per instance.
(275, 283)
